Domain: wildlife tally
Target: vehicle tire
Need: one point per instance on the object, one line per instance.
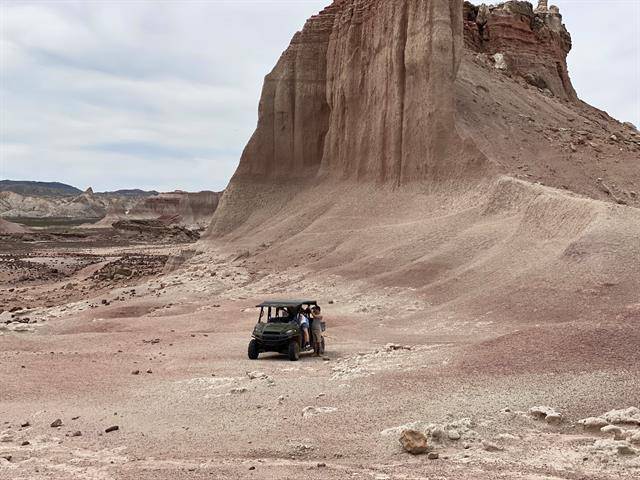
(322, 346)
(253, 350)
(294, 351)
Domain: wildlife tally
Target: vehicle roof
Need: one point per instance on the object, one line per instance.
(286, 303)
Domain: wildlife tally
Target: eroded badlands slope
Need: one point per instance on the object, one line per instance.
(388, 150)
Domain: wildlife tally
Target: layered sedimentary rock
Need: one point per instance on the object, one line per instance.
(424, 94)
(364, 92)
(533, 43)
(177, 207)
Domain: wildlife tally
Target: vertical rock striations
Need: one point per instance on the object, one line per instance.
(364, 92)
(293, 113)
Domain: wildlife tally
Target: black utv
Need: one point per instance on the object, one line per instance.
(278, 329)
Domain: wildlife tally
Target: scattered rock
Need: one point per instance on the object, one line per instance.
(453, 435)
(547, 414)
(314, 411)
(626, 450)
(112, 429)
(25, 443)
(25, 424)
(593, 423)
(499, 61)
(414, 442)
(56, 423)
(236, 391)
(391, 347)
(628, 415)
(491, 447)
(433, 455)
(618, 433)
(135, 372)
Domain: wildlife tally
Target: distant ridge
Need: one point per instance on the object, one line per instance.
(58, 189)
(135, 192)
(47, 189)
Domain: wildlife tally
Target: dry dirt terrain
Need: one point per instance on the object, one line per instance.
(426, 172)
(164, 359)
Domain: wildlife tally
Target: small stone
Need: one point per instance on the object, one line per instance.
(491, 447)
(6, 457)
(593, 423)
(149, 371)
(56, 423)
(414, 442)
(236, 391)
(321, 465)
(433, 455)
(626, 450)
(112, 429)
(453, 435)
(135, 372)
(25, 443)
(618, 433)
(553, 419)
(25, 424)
(252, 468)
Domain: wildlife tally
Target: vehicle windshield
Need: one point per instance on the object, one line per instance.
(277, 315)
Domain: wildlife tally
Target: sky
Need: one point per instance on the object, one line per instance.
(163, 94)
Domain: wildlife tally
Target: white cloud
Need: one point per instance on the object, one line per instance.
(164, 94)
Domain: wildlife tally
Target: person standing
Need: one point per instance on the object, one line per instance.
(316, 329)
(303, 321)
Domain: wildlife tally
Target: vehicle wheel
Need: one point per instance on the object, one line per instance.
(253, 350)
(294, 351)
(322, 346)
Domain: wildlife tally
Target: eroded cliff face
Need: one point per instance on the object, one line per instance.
(424, 95)
(532, 43)
(391, 69)
(365, 92)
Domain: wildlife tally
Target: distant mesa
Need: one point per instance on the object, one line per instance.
(25, 187)
(41, 200)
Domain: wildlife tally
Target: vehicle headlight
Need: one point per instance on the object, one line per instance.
(289, 332)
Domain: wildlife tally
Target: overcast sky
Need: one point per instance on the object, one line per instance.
(164, 94)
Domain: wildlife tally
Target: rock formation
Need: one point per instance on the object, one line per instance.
(393, 63)
(425, 93)
(390, 149)
(535, 43)
(177, 207)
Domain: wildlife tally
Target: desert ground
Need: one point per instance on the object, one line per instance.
(163, 358)
(427, 173)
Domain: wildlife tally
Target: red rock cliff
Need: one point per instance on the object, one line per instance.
(534, 43)
(364, 92)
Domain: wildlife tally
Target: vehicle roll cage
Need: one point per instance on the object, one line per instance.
(292, 306)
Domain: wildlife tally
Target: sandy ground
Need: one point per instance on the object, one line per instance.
(199, 408)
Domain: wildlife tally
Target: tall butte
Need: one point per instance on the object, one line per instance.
(401, 94)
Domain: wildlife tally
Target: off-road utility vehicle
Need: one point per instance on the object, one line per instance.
(278, 330)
